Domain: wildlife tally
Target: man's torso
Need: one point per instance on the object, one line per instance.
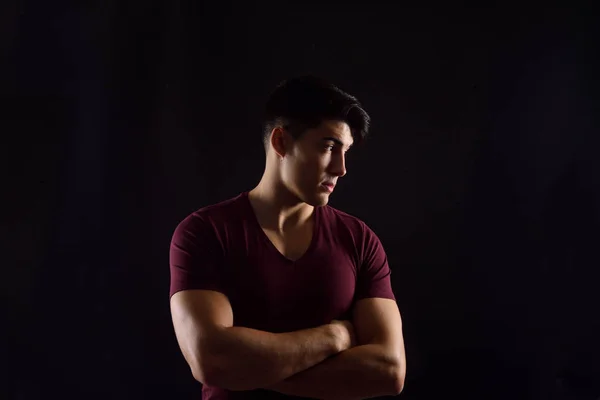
(313, 284)
(272, 292)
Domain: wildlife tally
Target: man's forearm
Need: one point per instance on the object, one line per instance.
(245, 359)
(358, 373)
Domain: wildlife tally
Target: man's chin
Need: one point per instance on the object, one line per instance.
(319, 200)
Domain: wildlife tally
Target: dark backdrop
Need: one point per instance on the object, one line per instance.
(481, 179)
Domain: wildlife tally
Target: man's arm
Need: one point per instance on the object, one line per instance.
(376, 367)
(237, 358)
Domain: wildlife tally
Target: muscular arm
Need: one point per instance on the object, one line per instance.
(374, 368)
(238, 358)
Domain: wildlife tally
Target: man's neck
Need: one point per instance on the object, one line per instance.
(277, 209)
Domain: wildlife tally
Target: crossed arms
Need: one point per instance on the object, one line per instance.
(324, 362)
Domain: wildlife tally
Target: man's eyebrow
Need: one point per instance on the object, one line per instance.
(335, 140)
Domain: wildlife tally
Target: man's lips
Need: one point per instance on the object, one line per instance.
(329, 186)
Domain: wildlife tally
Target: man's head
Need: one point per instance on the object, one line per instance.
(309, 126)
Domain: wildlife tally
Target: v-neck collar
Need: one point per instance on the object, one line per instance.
(256, 223)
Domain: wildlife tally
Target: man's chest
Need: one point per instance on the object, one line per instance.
(268, 291)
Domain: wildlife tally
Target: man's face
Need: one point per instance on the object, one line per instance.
(315, 161)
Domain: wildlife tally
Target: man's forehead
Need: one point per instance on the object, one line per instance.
(338, 130)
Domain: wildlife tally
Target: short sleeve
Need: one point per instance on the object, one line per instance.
(373, 278)
(196, 257)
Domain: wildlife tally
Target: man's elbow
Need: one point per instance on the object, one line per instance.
(209, 375)
(206, 372)
(397, 384)
(213, 374)
(397, 378)
(198, 375)
(202, 372)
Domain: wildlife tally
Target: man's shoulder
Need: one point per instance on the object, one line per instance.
(345, 218)
(216, 214)
(224, 208)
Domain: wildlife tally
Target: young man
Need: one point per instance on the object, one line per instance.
(275, 294)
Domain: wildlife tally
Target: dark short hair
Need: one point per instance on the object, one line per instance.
(303, 103)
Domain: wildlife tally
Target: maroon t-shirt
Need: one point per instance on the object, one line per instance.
(222, 247)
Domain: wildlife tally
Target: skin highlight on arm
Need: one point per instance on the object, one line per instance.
(376, 367)
(238, 358)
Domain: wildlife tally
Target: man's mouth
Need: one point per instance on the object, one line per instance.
(329, 186)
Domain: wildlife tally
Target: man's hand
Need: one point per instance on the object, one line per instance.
(375, 366)
(345, 333)
(239, 358)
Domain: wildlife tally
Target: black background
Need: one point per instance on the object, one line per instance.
(481, 179)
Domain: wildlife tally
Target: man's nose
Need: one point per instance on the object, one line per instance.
(338, 166)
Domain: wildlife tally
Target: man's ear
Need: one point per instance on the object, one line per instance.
(280, 141)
